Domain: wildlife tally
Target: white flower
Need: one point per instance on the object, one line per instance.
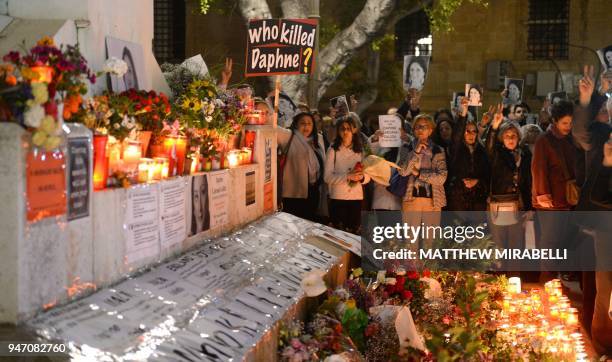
(313, 283)
(390, 281)
(219, 103)
(116, 126)
(400, 271)
(434, 290)
(380, 276)
(336, 358)
(125, 121)
(115, 66)
(208, 119)
(211, 108)
(33, 116)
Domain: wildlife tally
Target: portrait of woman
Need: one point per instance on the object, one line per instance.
(200, 215)
(415, 71)
(132, 54)
(514, 90)
(474, 94)
(605, 56)
(130, 79)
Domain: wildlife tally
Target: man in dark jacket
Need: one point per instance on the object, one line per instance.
(593, 173)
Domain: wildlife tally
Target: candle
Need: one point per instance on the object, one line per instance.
(181, 151)
(514, 285)
(248, 154)
(146, 170)
(160, 168)
(170, 151)
(572, 317)
(233, 158)
(132, 153)
(195, 163)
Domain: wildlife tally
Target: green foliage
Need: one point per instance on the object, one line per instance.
(354, 321)
(442, 10)
(205, 6)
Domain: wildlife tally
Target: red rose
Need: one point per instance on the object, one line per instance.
(358, 167)
(446, 320)
(406, 294)
(338, 328)
(51, 109)
(399, 285)
(413, 275)
(426, 273)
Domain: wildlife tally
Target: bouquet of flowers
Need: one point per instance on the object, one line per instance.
(150, 109)
(29, 84)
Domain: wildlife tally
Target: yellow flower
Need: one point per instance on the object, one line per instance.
(350, 304)
(39, 138)
(192, 104)
(46, 41)
(28, 73)
(52, 142)
(48, 125)
(40, 93)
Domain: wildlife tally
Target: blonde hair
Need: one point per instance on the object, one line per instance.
(427, 118)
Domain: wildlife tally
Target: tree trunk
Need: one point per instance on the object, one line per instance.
(371, 22)
(368, 97)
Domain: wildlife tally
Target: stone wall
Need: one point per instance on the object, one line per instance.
(94, 20)
(48, 262)
(499, 32)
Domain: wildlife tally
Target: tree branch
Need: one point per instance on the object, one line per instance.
(337, 54)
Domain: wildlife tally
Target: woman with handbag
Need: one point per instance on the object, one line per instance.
(344, 176)
(469, 172)
(424, 164)
(383, 199)
(301, 166)
(554, 185)
(510, 186)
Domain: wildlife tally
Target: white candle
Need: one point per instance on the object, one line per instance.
(514, 285)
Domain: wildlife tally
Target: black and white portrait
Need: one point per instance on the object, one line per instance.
(200, 213)
(474, 94)
(514, 90)
(133, 55)
(286, 109)
(415, 71)
(605, 56)
(556, 97)
(340, 104)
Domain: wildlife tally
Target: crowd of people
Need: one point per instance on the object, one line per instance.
(457, 161)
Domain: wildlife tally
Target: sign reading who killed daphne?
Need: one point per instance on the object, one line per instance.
(280, 46)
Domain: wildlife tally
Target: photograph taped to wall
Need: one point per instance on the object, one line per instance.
(514, 89)
(200, 211)
(133, 55)
(474, 94)
(415, 71)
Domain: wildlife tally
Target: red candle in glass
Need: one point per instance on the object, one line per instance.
(100, 173)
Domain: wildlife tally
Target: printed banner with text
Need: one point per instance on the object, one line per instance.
(280, 46)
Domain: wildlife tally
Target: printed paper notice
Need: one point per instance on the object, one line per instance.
(173, 223)
(219, 198)
(142, 222)
(390, 126)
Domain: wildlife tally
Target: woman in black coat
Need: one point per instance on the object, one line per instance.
(468, 179)
(510, 181)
